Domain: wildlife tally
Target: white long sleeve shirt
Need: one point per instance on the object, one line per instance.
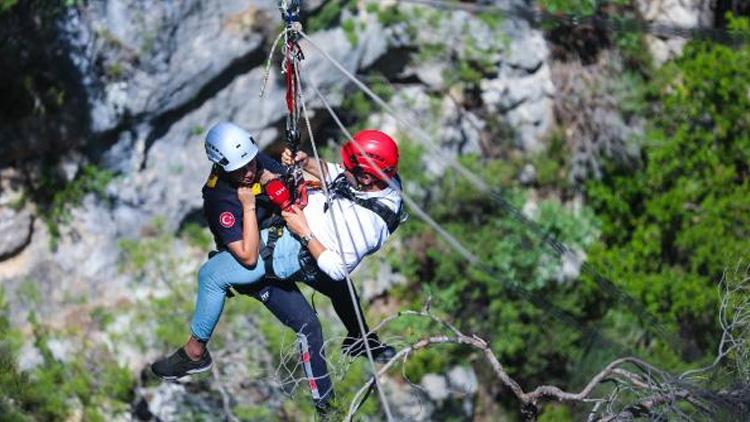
(362, 231)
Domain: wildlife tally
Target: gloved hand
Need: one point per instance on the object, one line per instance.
(278, 193)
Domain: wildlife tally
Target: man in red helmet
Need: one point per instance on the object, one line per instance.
(365, 208)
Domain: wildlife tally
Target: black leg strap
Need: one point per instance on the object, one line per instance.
(266, 252)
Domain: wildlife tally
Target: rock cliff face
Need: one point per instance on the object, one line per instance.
(679, 13)
(157, 75)
(154, 75)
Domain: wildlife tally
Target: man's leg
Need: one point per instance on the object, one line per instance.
(288, 304)
(353, 345)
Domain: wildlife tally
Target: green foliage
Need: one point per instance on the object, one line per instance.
(29, 293)
(102, 317)
(556, 413)
(584, 7)
(329, 15)
(5, 5)
(48, 391)
(253, 413)
(61, 197)
(737, 24)
(552, 165)
(491, 306)
(357, 107)
(671, 228)
(198, 236)
(198, 130)
(350, 29)
(577, 7)
(388, 15)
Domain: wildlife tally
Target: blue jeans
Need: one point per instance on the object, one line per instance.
(223, 270)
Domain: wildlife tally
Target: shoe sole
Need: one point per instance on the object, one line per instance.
(190, 372)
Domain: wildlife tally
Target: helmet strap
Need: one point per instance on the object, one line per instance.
(358, 174)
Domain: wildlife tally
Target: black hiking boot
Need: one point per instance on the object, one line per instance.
(179, 364)
(325, 408)
(355, 347)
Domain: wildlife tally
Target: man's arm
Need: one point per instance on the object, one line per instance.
(330, 262)
(308, 164)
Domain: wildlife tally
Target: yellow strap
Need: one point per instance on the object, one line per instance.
(212, 179)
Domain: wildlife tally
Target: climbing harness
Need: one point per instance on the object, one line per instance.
(342, 188)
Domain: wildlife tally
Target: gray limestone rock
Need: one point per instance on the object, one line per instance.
(15, 230)
(407, 402)
(436, 387)
(526, 102)
(677, 13)
(142, 58)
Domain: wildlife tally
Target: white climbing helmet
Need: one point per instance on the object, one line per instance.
(230, 146)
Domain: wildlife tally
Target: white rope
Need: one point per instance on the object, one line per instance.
(409, 201)
(267, 71)
(469, 256)
(449, 238)
(455, 243)
(349, 283)
(425, 140)
(560, 248)
(410, 126)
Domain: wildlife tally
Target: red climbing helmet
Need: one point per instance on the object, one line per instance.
(381, 149)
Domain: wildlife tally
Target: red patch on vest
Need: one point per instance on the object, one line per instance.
(226, 219)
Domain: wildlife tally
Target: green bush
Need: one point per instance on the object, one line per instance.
(60, 197)
(670, 229)
(48, 391)
(497, 307)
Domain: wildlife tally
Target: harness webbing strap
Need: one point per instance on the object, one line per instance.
(341, 187)
(266, 252)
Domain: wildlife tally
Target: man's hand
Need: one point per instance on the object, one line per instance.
(295, 220)
(266, 176)
(246, 196)
(301, 157)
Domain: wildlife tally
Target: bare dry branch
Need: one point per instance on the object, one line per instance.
(630, 373)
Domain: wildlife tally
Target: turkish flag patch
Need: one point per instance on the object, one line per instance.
(226, 219)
